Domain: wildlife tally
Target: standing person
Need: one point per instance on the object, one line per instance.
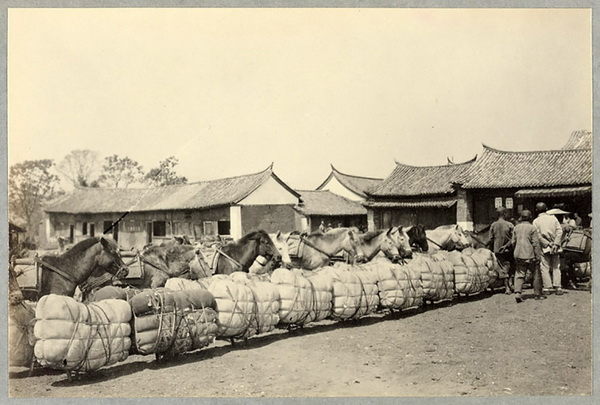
(578, 220)
(501, 232)
(570, 222)
(527, 255)
(322, 227)
(550, 233)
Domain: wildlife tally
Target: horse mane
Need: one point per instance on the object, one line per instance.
(369, 236)
(253, 236)
(73, 252)
(444, 227)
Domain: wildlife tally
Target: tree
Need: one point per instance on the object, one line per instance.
(118, 171)
(80, 166)
(164, 174)
(30, 184)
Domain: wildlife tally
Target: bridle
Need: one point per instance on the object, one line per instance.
(267, 256)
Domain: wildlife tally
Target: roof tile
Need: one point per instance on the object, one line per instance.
(500, 169)
(326, 203)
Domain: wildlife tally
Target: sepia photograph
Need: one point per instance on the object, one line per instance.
(299, 203)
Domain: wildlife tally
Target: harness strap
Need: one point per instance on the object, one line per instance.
(306, 242)
(434, 242)
(56, 270)
(219, 251)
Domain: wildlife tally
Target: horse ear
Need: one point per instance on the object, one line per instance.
(104, 242)
(278, 235)
(390, 231)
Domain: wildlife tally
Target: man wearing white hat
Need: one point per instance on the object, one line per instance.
(550, 233)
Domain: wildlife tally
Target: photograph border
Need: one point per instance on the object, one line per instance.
(591, 4)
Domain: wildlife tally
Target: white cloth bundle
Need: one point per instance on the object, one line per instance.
(20, 333)
(236, 307)
(470, 273)
(322, 287)
(487, 258)
(267, 300)
(399, 286)
(296, 297)
(180, 284)
(437, 276)
(80, 337)
(170, 322)
(352, 298)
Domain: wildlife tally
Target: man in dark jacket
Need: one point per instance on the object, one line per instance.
(527, 255)
(501, 232)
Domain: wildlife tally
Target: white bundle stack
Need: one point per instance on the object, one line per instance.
(322, 294)
(267, 300)
(183, 284)
(167, 322)
(437, 277)
(77, 337)
(236, 307)
(470, 274)
(350, 298)
(21, 318)
(399, 286)
(296, 295)
(370, 288)
(487, 258)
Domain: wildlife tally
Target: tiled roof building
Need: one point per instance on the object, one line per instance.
(231, 206)
(500, 169)
(347, 185)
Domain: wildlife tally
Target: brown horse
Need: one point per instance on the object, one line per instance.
(447, 237)
(371, 243)
(316, 249)
(261, 265)
(159, 263)
(240, 255)
(63, 273)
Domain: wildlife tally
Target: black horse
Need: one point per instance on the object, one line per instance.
(417, 238)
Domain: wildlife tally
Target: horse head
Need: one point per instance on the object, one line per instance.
(402, 241)
(417, 238)
(458, 238)
(389, 245)
(266, 248)
(281, 244)
(351, 243)
(110, 259)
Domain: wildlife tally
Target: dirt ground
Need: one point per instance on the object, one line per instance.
(485, 345)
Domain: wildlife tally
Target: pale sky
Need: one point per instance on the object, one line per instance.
(228, 91)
